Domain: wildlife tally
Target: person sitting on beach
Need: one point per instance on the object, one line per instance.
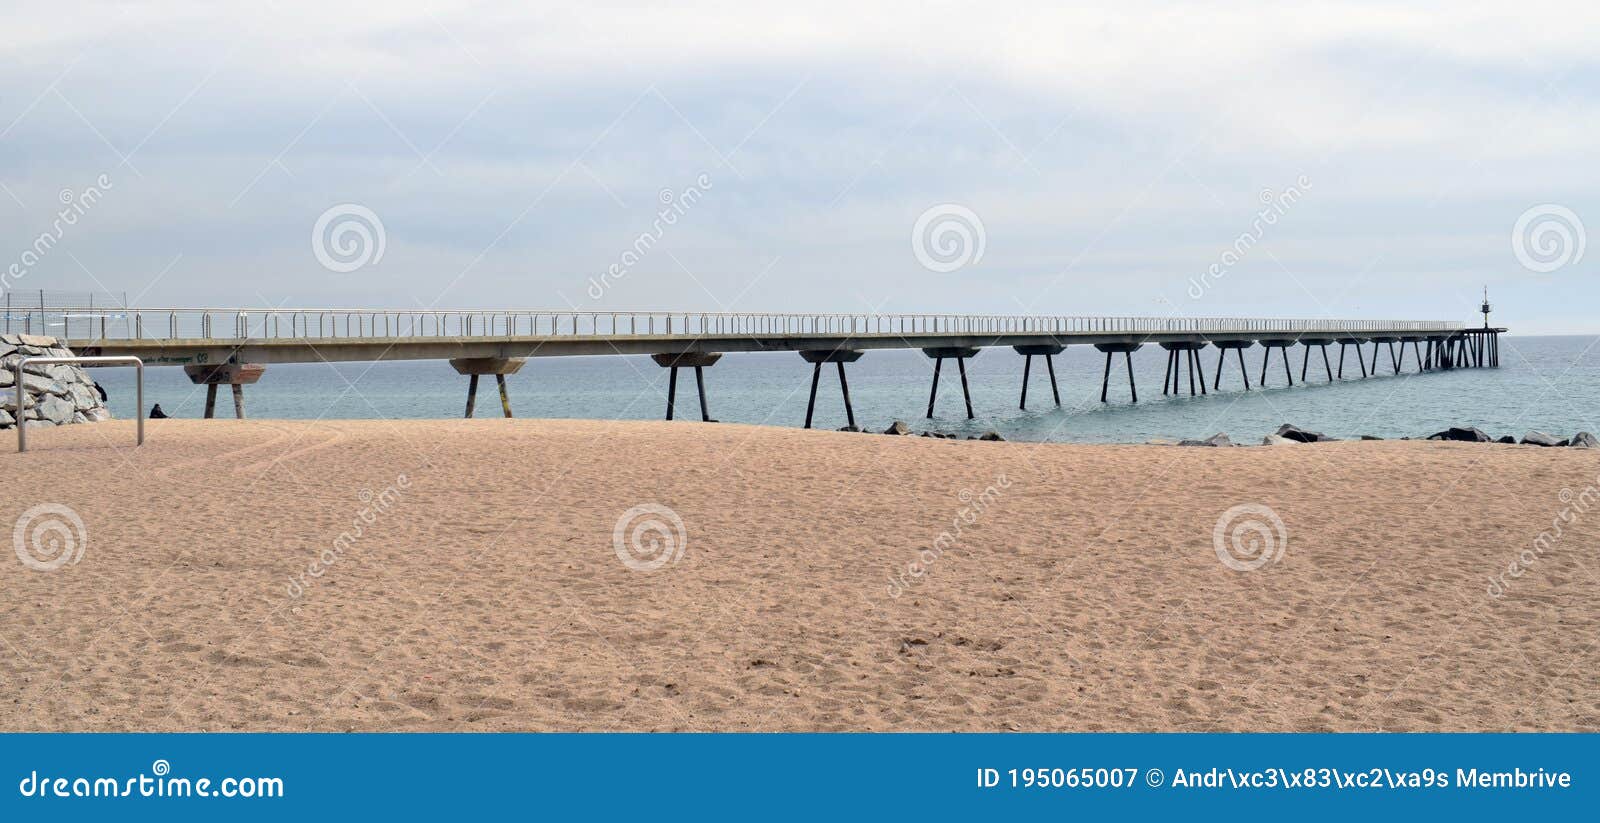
(156, 413)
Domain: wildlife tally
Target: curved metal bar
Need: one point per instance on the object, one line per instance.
(22, 394)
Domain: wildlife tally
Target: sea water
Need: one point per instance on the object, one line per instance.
(1548, 383)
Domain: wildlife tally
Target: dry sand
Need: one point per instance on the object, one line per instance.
(1086, 593)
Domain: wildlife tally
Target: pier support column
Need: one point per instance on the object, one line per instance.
(1046, 350)
(1238, 347)
(960, 355)
(1352, 341)
(699, 361)
(1179, 353)
(237, 375)
(475, 367)
(838, 357)
(1127, 350)
(1282, 345)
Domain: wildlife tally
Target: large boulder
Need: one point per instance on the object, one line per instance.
(57, 394)
(56, 410)
(1299, 435)
(1584, 440)
(1539, 438)
(1463, 434)
(897, 427)
(991, 435)
(1215, 440)
(1278, 440)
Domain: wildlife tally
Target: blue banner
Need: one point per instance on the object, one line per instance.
(769, 776)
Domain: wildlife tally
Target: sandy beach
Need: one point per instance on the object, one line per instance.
(464, 575)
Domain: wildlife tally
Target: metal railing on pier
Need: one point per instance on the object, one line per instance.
(89, 324)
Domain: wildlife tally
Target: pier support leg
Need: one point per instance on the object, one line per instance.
(1222, 354)
(1305, 361)
(961, 365)
(850, 412)
(1288, 375)
(1393, 359)
(1325, 365)
(1342, 347)
(1027, 365)
(1127, 357)
(1375, 348)
(960, 355)
(213, 377)
(1166, 379)
(1126, 350)
(811, 404)
(816, 358)
(699, 361)
(700, 384)
(474, 367)
(505, 397)
(1050, 365)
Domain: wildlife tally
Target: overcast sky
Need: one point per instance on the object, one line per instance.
(1294, 159)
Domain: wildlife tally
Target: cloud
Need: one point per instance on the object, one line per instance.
(1113, 152)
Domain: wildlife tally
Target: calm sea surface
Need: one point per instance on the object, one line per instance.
(1549, 383)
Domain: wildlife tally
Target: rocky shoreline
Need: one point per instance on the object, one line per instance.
(54, 395)
(1289, 435)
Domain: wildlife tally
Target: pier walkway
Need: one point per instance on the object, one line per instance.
(232, 346)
